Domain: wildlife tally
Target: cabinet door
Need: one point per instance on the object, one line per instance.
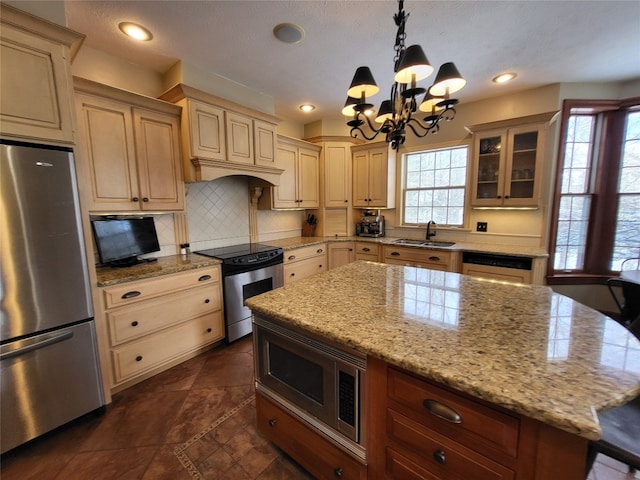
(341, 253)
(522, 173)
(361, 179)
(106, 134)
(35, 87)
(264, 135)
(337, 181)
(239, 138)
(285, 195)
(158, 159)
(308, 178)
(206, 131)
(378, 178)
(490, 152)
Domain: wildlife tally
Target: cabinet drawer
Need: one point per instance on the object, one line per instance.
(132, 292)
(415, 256)
(317, 455)
(304, 268)
(142, 318)
(141, 355)
(367, 248)
(305, 252)
(483, 429)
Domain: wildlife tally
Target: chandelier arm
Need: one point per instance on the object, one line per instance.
(354, 133)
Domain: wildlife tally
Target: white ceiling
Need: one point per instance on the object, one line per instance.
(543, 41)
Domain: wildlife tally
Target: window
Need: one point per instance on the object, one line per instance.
(596, 213)
(434, 186)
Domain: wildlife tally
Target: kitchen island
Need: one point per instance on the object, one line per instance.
(543, 360)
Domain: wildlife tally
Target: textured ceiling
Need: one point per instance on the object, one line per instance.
(543, 41)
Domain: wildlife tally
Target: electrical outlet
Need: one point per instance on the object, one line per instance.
(481, 227)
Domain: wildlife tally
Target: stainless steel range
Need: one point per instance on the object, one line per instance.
(247, 270)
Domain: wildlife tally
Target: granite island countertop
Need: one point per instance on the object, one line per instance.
(524, 347)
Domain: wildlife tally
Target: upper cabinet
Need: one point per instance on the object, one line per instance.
(129, 151)
(299, 185)
(36, 93)
(336, 174)
(222, 138)
(508, 159)
(374, 176)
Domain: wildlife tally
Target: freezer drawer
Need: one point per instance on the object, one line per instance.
(46, 381)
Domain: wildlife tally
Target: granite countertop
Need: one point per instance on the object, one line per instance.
(522, 347)
(520, 250)
(108, 276)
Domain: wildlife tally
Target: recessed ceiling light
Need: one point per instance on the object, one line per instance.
(289, 32)
(504, 77)
(307, 107)
(135, 31)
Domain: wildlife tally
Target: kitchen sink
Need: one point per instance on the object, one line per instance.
(422, 243)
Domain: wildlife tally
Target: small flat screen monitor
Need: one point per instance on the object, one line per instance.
(120, 241)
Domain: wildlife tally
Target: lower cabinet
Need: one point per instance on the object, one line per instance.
(419, 429)
(317, 455)
(303, 262)
(512, 275)
(419, 257)
(154, 324)
(367, 251)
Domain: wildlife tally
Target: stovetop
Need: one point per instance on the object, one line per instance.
(236, 251)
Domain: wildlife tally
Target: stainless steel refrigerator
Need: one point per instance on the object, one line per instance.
(50, 372)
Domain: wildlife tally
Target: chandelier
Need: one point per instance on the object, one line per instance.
(399, 111)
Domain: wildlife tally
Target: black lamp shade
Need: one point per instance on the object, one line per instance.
(362, 83)
(413, 62)
(348, 110)
(384, 111)
(430, 103)
(447, 81)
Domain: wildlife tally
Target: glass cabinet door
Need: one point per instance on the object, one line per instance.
(488, 182)
(523, 165)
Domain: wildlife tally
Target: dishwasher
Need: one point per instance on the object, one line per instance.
(507, 268)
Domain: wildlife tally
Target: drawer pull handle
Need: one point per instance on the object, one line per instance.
(338, 472)
(395, 254)
(145, 199)
(139, 358)
(434, 259)
(207, 300)
(208, 330)
(440, 457)
(204, 278)
(320, 250)
(132, 294)
(135, 199)
(366, 249)
(272, 422)
(293, 274)
(291, 257)
(442, 411)
(134, 323)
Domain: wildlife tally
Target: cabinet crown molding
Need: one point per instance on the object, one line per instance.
(547, 118)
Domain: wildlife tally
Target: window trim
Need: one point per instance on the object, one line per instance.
(602, 217)
(401, 183)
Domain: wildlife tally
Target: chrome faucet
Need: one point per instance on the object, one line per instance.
(429, 232)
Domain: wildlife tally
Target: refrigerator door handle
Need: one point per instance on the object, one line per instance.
(36, 346)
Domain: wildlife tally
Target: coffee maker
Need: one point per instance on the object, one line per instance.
(370, 225)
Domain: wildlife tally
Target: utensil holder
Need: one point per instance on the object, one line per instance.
(308, 230)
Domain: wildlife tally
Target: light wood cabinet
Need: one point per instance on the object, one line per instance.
(299, 183)
(367, 251)
(156, 323)
(130, 150)
(419, 429)
(336, 174)
(374, 176)
(419, 257)
(36, 90)
(508, 162)
(303, 262)
(341, 253)
(512, 275)
(317, 455)
(224, 138)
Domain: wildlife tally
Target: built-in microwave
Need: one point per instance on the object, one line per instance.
(319, 382)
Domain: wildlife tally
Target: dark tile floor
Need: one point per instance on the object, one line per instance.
(196, 420)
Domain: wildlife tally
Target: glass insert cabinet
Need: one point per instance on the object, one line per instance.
(508, 164)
